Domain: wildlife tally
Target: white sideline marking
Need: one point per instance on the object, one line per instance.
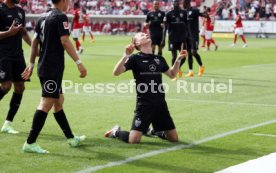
(261, 134)
(258, 65)
(265, 164)
(177, 147)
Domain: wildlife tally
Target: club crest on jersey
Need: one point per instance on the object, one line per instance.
(2, 74)
(152, 67)
(20, 15)
(65, 25)
(157, 61)
(138, 122)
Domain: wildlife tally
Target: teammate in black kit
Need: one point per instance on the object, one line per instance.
(154, 21)
(193, 15)
(52, 34)
(175, 22)
(151, 107)
(12, 62)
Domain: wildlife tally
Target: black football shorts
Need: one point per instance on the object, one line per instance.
(51, 87)
(11, 70)
(157, 115)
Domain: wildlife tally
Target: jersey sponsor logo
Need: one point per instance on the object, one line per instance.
(145, 61)
(138, 122)
(9, 16)
(157, 61)
(65, 25)
(2, 74)
(152, 67)
(181, 15)
(159, 14)
(177, 19)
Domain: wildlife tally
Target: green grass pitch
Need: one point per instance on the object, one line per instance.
(197, 116)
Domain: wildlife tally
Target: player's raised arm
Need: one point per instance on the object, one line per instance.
(120, 66)
(13, 30)
(171, 73)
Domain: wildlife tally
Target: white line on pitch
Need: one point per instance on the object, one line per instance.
(258, 65)
(177, 147)
(261, 134)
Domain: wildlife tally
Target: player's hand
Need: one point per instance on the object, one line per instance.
(162, 44)
(14, 28)
(82, 70)
(129, 49)
(27, 73)
(182, 55)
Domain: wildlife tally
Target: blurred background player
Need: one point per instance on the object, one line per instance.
(52, 36)
(238, 30)
(86, 26)
(203, 29)
(175, 22)
(12, 62)
(154, 21)
(151, 106)
(210, 22)
(77, 27)
(193, 15)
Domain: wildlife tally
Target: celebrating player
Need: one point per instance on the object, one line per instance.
(238, 30)
(154, 21)
(175, 22)
(52, 34)
(151, 106)
(12, 62)
(86, 26)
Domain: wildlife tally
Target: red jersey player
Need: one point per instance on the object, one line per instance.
(210, 22)
(238, 30)
(86, 26)
(77, 26)
(203, 29)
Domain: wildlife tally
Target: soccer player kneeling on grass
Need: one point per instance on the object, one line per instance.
(151, 107)
(52, 34)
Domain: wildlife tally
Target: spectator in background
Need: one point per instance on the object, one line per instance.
(225, 13)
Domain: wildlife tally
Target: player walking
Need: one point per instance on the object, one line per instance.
(238, 30)
(52, 34)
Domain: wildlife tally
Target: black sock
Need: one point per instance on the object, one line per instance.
(14, 106)
(38, 123)
(198, 59)
(63, 123)
(190, 61)
(122, 135)
(2, 93)
(161, 134)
